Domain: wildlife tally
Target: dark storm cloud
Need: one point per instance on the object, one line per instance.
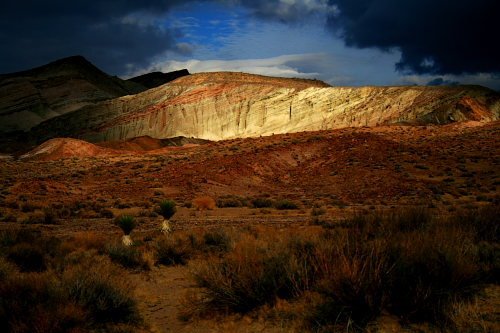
(109, 33)
(434, 36)
(291, 11)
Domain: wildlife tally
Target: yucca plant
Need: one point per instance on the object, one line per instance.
(167, 210)
(127, 224)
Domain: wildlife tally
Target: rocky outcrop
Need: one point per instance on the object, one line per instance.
(30, 97)
(218, 106)
(147, 143)
(55, 149)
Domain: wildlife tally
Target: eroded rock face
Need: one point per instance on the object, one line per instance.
(218, 106)
(30, 97)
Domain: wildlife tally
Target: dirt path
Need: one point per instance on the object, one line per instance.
(161, 295)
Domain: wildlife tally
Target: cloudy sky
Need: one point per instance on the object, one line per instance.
(343, 42)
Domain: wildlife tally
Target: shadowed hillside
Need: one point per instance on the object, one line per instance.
(155, 79)
(30, 97)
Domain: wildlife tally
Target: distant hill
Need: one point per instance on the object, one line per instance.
(224, 105)
(156, 79)
(29, 97)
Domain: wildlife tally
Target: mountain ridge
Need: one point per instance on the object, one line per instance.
(29, 97)
(225, 105)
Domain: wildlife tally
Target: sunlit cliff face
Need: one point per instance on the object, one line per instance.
(218, 106)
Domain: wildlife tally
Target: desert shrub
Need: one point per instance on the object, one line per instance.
(204, 203)
(11, 237)
(353, 275)
(30, 250)
(86, 240)
(174, 250)
(50, 216)
(11, 204)
(147, 213)
(6, 269)
(383, 263)
(36, 302)
(126, 223)
(318, 211)
(254, 273)
(28, 257)
(47, 216)
(489, 261)
(409, 219)
(106, 213)
(231, 201)
(318, 216)
(284, 204)
(8, 218)
(470, 317)
(167, 208)
(228, 203)
(7, 238)
(122, 205)
(413, 266)
(262, 203)
(36, 217)
(64, 212)
(101, 289)
(217, 240)
(429, 271)
(379, 224)
(484, 222)
(29, 207)
(127, 256)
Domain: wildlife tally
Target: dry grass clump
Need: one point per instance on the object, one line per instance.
(102, 291)
(45, 216)
(285, 204)
(27, 257)
(28, 250)
(28, 207)
(477, 314)
(262, 202)
(173, 250)
(6, 269)
(45, 286)
(204, 203)
(254, 273)
(37, 302)
(219, 240)
(86, 240)
(483, 223)
(409, 264)
(127, 256)
(232, 201)
(179, 248)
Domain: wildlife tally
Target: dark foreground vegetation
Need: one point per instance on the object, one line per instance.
(51, 286)
(410, 265)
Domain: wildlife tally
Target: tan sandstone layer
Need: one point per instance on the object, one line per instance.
(217, 106)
